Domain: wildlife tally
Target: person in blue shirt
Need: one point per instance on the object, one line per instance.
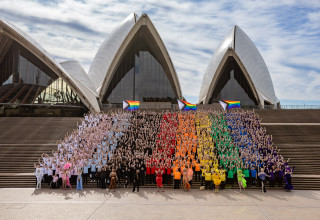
(262, 175)
(253, 175)
(85, 172)
(93, 170)
(79, 179)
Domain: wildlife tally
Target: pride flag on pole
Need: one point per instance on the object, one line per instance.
(186, 106)
(131, 105)
(228, 104)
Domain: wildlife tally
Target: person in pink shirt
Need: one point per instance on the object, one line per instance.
(190, 175)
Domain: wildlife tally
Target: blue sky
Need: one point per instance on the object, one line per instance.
(287, 34)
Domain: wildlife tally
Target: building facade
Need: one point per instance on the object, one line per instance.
(133, 64)
(237, 71)
(31, 81)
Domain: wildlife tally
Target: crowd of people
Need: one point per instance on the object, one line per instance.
(256, 150)
(122, 148)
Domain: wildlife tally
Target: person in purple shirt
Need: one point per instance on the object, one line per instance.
(287, 178)
(279, 176)
(272, 177)
(262, 175)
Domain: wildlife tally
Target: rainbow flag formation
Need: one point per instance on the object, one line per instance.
(186, 106)
(228, 104)
(131, 105)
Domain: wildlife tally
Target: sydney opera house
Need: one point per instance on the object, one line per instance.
(131, 64)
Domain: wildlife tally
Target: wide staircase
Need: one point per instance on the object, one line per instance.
(297, 134)
(23, 140)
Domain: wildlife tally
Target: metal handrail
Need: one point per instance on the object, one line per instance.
(300, 106)
(41, 105)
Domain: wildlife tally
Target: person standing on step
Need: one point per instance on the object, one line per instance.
(177, 178)
(38, 175)
(262, 176)
(197, 170)
(159, 179)
(113, 180)
(253, 176)
(79, 178)
(208, 180)
(287, 178)
(136, 181)
(64, 179)
(85, 173)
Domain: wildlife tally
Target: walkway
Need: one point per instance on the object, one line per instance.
(149, 204)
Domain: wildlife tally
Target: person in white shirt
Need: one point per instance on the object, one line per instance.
(38, 175)
(53, 168)
(50, 174)
(45, 174)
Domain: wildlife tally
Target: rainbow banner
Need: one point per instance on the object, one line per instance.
(131, 105)
(186, 106)
(228, 104)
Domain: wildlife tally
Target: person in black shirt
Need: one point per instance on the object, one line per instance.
(108, 171)
(136, 181)
(103, 176)
(126, 177)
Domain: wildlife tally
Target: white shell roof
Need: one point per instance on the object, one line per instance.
(82, 80)
(214, 63)
(108, 50)
(251, 59)
(45, 57)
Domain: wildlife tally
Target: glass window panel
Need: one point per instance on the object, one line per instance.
(30, 76)
(233, 85)
(37, 75)
(144, 75)
(23, 69)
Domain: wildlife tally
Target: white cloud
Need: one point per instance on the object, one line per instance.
(191, 30)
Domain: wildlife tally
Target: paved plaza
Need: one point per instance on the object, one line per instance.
(149, 204)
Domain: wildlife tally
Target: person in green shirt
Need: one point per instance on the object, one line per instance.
(230, 176)
(241, 180)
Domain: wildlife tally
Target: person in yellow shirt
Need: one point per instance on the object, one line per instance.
(216, 180)
(215, 164)
(203, 172)
(208, 179)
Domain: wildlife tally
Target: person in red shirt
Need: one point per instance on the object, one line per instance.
(168, 174)
(153, 174)
(159, 179)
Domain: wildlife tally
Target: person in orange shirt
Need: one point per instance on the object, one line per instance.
(197, 171)
(177, 178)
